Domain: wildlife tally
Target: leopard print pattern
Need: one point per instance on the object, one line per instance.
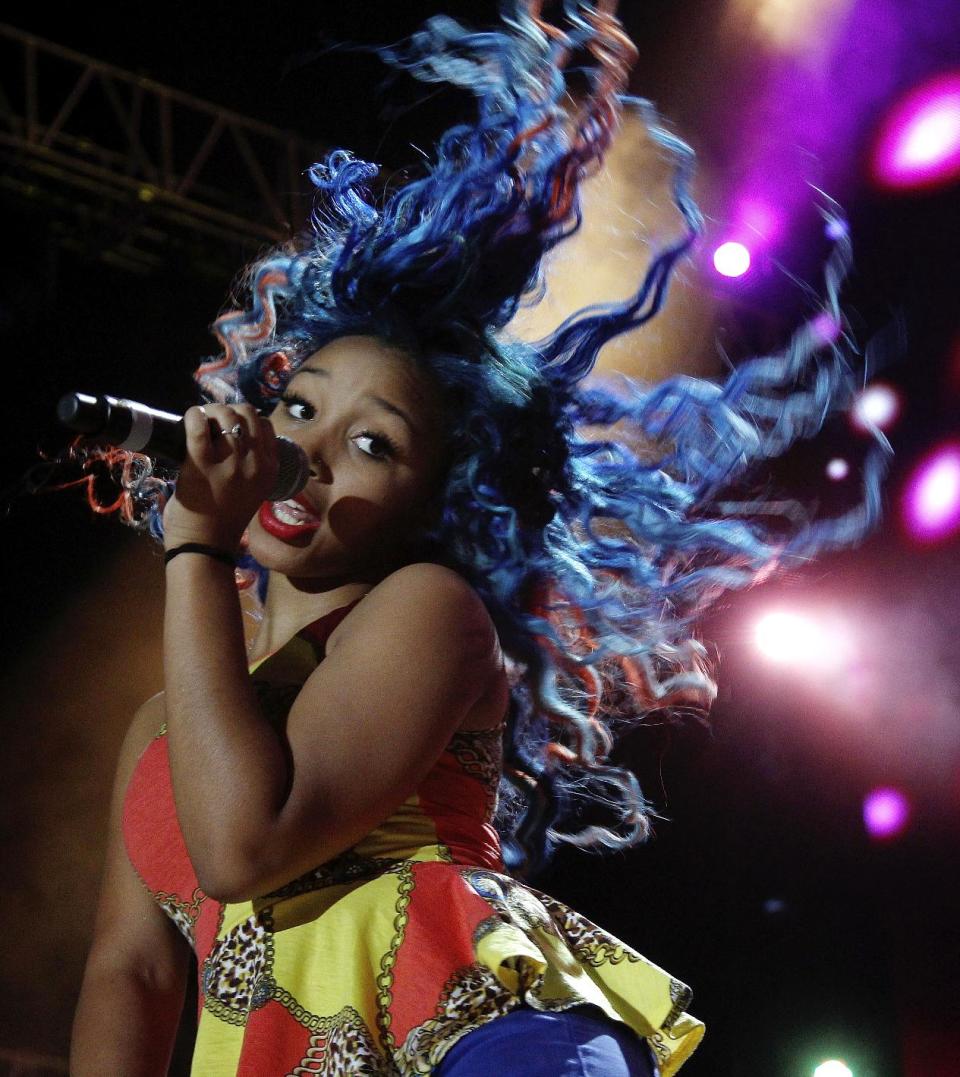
(472, 996)
(236, 975)
(183, 913)
(590, 944)
(343, 1046)
(480, 754)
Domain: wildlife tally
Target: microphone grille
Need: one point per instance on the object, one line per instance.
(293, 472)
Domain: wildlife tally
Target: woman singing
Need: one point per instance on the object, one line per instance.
(336, 818)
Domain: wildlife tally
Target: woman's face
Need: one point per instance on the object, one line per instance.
(369, 423)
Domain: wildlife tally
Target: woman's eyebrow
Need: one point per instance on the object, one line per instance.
(386, 405)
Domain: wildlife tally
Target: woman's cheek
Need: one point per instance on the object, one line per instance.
(356, 521)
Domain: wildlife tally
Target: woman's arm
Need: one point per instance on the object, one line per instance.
(133, 986)
(365, 729)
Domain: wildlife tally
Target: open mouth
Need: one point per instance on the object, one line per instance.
(287, 519)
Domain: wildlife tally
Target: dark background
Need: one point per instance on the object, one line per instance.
(802, 939)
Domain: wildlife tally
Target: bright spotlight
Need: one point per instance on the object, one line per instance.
(833, 1068)
(797, 640)
(731, 259)
(919, 142)
(878, 405)
(886, 812)
(932, 499)
(785, 637)
(838, 469)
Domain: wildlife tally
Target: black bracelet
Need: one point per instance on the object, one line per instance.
(199, 547)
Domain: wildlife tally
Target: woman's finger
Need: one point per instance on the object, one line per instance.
(230, 427)
(199, 426)
(251, 421)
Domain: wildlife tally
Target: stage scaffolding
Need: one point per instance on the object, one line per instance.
(137, 170)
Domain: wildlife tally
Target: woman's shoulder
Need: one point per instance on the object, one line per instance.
(414, 595)
(426, 577)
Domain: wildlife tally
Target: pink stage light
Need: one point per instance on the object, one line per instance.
(731, 259)
(805, 642)
(886, 813)
(759, 219)
(878, 405)
(919, 141)
(931, 503)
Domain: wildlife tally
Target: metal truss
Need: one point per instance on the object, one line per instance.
(140, 165)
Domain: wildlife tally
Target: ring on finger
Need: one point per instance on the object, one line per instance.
(235, 431)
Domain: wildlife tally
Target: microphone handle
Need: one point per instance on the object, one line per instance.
(139, 428)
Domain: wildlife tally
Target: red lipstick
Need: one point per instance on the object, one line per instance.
(287, 519)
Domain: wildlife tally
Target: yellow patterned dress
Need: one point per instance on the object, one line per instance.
(378, 961)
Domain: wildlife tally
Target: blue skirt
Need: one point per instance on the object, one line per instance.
(574, 1043)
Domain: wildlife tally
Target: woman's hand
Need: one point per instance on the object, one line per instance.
(224, 477)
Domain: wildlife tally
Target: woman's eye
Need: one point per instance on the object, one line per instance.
(376, 445)
(298, 409)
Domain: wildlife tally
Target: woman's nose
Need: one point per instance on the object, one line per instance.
(315, 447)
(319, 470)
(319, 467)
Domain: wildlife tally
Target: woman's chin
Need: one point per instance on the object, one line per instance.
(299, 561)
(292, 554)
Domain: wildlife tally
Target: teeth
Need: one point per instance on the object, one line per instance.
(289, 512)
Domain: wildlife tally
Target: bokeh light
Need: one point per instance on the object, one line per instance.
(836, 228)
(837, 469)
(796, 27)
(731, 259)
(878, 405)
(826, 327)
(886, 812)
(931, 504)
(919, 141)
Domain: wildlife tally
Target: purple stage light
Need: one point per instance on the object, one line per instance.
(886, 812)
(836, 228)
(919, 141)
(826, 328)
(731, 259)
(932, 500)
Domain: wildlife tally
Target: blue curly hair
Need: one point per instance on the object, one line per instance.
(594, 555)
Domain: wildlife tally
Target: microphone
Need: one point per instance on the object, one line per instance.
(143, 429)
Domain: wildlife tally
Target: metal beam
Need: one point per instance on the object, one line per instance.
(68, 121)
